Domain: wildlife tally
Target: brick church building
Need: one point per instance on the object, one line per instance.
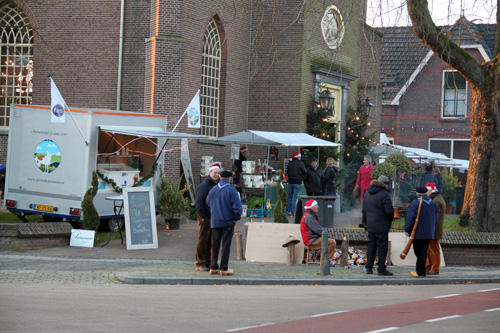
(258, 64)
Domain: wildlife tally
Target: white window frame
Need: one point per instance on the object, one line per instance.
(210, 81)
(443, 82)
(16, 57)
(452, 141)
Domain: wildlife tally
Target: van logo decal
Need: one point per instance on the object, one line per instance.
(47, 156)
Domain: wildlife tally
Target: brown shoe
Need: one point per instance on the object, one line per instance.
(214, 271)
(228, 272)
(432, 272)
(202, 268)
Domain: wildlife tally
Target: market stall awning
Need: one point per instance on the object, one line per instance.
(252, 137)
(148, 132)
(418, 155)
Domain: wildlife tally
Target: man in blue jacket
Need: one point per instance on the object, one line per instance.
(378, 213)
(225, 209)
(426, 228)
(204, 245)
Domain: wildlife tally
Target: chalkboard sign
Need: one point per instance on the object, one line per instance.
(140, 218)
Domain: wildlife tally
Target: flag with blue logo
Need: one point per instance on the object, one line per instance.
(56, 104)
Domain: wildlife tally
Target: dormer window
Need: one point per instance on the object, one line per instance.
(454, 95)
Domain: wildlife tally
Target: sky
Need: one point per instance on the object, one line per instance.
(444, 12)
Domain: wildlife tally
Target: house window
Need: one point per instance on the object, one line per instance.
(16, 60)
(453, 148)
(210, 81)
(332, 27)
(454, 95)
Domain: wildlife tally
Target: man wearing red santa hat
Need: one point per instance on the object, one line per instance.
(311, 229)
(434, 250)
(204, 245)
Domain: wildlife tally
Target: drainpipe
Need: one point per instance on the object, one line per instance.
(120, 57)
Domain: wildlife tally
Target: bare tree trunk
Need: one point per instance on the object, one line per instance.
(481, 208)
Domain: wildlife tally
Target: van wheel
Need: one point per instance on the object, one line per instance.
(47, 218)
(111, 224)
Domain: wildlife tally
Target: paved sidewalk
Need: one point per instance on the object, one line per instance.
(173, 263)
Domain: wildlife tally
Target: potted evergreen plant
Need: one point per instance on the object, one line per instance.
(171, 202)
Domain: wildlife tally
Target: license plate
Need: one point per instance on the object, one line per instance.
(44, 208)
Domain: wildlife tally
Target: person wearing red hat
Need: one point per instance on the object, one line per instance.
(434, 250)
(296, 172)
(204, 245)
(311, 230)
(239, 164)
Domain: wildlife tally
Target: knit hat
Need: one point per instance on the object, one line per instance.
(310, 204)
(422, 190)
(296, 155)
(214, 166)
(226, 174)
(384, 179)
(242, 149)
(431, 186)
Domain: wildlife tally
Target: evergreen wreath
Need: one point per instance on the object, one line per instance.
(117, 188)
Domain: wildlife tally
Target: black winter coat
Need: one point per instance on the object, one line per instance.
(312, 181)
(296, 171)
(378, 211)
(201, 197)
(329, 181)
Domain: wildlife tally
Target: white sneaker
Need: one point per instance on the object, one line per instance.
(228, 272)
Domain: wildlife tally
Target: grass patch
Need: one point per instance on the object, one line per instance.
(451, 224)
(8, 217)
(102, 236)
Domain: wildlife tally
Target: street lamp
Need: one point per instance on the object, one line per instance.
(326, 101)
(368, 105)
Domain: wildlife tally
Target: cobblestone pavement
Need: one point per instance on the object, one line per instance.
(173, 263)
(34, 268)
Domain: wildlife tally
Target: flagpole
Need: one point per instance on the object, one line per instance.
(81, 133)
(71, 113)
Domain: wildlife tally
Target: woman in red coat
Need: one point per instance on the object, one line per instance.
(364, 176)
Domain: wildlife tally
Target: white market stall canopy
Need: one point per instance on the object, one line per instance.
(419, 155)
(148, 132)
(264, 138)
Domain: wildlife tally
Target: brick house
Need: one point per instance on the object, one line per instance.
(426, 103)
(259, 66)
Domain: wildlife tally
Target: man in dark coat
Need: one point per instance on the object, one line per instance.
(426, 228)
(296, 172)
(428, 176)
(378, 213)
(312, 182)
(225, 210)
(204, 245)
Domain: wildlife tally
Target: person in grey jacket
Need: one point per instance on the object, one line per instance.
(378, 213)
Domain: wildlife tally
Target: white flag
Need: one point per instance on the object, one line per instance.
(56, 104)
(193, 112)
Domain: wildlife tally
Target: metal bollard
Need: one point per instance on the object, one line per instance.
(325, 260)
(239, 247)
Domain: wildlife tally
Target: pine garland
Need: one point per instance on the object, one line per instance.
(117, 188)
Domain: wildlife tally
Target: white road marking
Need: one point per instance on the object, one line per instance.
(444, 296)
(327, 314)
(384, 330)
(248, 327)
(482, 291)
(443, 318)
(491, 310)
